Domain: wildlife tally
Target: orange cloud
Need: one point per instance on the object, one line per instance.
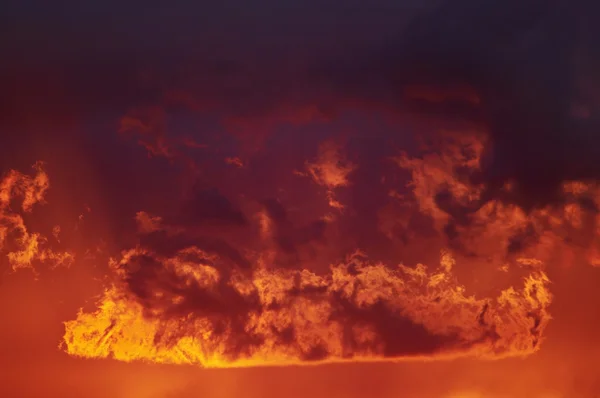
(183, 309)
(22, 247)
(331, 170)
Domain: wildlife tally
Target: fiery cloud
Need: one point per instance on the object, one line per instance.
(179, 298)
(184, 309)
(23, 247)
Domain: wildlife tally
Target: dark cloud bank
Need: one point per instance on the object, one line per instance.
(531, 64)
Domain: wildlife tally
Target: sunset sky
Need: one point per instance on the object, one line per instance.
(300, 199)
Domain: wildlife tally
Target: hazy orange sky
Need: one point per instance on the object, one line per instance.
(409, 190)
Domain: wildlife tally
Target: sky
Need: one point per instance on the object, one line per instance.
(316, 198)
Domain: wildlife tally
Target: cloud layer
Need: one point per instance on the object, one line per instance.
(258, 160)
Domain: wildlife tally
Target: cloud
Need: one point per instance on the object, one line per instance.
(281, 289)
(216, 300)
(204, 205)
(289, 236)
(521, 65)
(330, 170)
(190, 312)
(22, 247)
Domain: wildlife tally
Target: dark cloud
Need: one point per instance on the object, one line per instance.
(520, 58)
(524, 62)
(210, 206)
(167, 244)
(516, 69)
(287, 235)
